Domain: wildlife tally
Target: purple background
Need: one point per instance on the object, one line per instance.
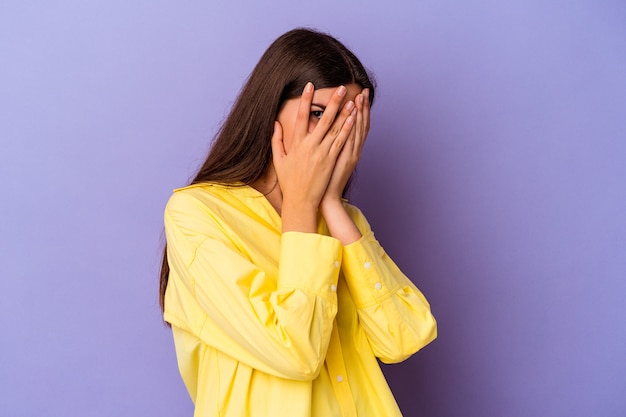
(495, 175)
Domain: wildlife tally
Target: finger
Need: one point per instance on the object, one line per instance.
(304, 109)
(359, 127)
(330, 113)
(340, 120)
(278, 146)
(345, 131)
(366, 109)
(353, 139)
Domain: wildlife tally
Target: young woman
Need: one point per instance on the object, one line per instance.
(279, 297)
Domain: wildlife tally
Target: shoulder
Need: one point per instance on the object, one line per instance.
(200, 191)
(217, 203)
(199, 195)
(195, 202)
(188, 199)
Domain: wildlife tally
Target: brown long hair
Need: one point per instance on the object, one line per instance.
(241, 151)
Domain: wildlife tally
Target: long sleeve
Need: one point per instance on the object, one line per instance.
(276, 317)
(394, 314)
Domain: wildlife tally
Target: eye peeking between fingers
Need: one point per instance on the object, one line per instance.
(317, 114)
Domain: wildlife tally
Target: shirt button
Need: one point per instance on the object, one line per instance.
(333, 288)
(339, 378)
(378, 285)
(367, 265)
(336, 264)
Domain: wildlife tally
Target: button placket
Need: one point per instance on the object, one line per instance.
(338, 374)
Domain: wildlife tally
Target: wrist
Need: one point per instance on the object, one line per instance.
(339, 223)
(298, 217)
(329, 204)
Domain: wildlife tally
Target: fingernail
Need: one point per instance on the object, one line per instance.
(341, 91)
(308, 87)
(349, 105)
(360, 98)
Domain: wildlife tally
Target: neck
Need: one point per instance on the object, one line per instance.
(269, 187)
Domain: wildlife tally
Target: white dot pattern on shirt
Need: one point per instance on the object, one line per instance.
(378, 285)
(339, 378)
(333, 288)
(367, 265)
(336, 264)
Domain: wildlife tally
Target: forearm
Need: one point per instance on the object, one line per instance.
(340, 224)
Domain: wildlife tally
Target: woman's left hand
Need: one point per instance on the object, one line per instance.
(351, 151)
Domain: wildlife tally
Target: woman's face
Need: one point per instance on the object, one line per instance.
(287, 115)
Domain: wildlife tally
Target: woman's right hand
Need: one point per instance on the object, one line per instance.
(305, 170)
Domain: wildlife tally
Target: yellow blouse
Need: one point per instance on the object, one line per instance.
(283, 324)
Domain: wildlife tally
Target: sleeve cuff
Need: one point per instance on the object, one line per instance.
(367, 274)
(309, 261)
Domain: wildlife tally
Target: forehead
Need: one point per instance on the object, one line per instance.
(323, 95)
